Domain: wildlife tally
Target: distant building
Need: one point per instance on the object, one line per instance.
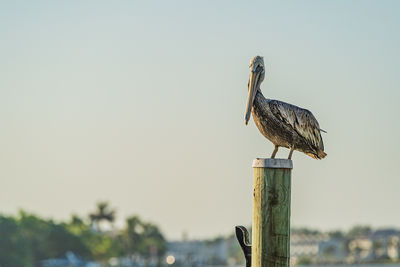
(385, 244)
(332, 250)
(312, 246)
(381, 245)
(305, 246)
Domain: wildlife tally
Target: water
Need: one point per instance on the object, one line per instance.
(353, 265)
(333, 265)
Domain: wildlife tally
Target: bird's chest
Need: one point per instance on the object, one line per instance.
(269, 125)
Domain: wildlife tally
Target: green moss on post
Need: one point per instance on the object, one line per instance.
(271, 213)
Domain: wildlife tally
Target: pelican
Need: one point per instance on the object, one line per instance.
(285, 125)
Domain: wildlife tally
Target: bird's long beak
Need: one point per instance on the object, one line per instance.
(254, 75)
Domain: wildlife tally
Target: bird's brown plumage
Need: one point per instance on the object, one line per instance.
(285, 125)
(303, 122)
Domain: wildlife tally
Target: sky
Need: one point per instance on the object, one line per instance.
(141, 103)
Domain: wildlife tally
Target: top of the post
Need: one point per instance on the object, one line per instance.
(273, 163)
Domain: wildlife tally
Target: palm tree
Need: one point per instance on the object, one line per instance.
(103, 213)
(143, 238)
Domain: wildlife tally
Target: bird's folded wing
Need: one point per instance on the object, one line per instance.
(301, 120)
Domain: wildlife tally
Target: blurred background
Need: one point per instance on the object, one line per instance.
(123, 140)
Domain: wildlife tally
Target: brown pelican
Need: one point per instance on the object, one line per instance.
(283, 124)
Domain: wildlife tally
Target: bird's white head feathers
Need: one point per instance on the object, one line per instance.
(256, 62)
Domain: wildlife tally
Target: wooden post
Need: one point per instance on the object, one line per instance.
(271, 213)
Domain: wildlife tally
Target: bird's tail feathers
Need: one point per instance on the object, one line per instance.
(320, 155)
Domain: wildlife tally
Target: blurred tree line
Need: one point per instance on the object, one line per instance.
(26, 239)
(353, 232)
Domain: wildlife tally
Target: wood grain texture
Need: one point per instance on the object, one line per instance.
(271, 217)
(273, 163)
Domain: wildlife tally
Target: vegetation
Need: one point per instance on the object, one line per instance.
(304, 231)
(336, 234)
(27, 239)
(304, 260)
(359, 231)
(103, 213)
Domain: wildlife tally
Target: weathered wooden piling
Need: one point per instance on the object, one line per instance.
(271, 213)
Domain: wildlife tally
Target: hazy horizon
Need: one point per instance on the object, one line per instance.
(142, 105)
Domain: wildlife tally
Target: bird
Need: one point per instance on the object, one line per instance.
(284, 124)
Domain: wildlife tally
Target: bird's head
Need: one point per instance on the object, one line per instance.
(257, 74)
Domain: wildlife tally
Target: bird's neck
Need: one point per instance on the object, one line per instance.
(259, 94)
(259, 99)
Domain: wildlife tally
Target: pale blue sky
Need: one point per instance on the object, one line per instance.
(142, 104)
